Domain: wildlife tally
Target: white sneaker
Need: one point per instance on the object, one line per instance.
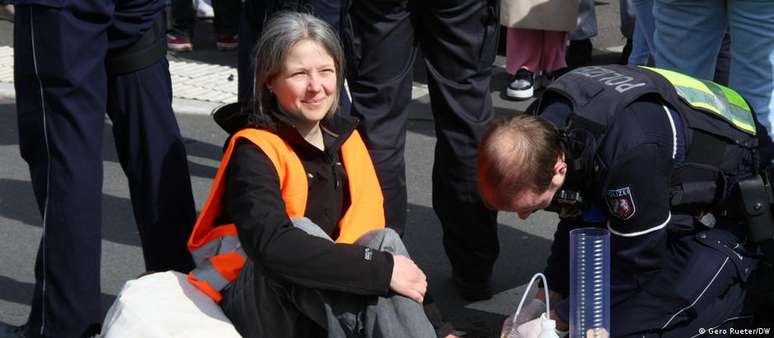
(522, 85)
(204, 9)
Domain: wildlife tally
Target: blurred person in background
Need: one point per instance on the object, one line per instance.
(226, 16)
(580, 47)
(536, 42)
(644, 48)
(689, 35)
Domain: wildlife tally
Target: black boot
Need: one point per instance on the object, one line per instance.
(578, 54)
(472, 291)
(627, 51)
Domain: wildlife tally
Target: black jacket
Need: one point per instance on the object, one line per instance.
(252, 200)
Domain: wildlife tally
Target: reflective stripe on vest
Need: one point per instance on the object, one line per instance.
(216, 249)
(226, 243)
(711, 97)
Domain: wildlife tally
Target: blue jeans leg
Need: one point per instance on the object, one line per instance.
(640, 51)
(751, 25)
(644, 29)
(688, 34)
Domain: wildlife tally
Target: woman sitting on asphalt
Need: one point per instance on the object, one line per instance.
(292, 241)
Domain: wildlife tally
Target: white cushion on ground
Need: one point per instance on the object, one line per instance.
(165, 305)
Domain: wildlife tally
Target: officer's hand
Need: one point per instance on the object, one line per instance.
(560, 324)
(530, 329)
(531, 310)
(407, 279)
(552, 295)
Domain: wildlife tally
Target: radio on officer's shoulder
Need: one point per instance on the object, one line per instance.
(566, 203)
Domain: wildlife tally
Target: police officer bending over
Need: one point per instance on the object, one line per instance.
(658, 158)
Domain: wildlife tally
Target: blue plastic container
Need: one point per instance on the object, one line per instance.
(589, 283)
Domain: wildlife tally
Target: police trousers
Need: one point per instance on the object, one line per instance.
(63, 93)
(262, 306)
(458, 40)
(702, 285)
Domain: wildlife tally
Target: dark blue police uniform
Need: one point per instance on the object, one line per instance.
(672, 273)
(71, 68)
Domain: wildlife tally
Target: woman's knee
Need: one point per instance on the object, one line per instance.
(384, 239)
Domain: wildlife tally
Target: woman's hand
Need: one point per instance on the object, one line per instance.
(408, 279)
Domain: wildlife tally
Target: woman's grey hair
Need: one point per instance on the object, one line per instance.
(280, 34)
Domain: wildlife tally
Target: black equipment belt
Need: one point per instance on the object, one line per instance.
(148, 49)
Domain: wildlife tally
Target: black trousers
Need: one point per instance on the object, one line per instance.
(226, 20)
(261, 306)
(702, 284)
(458, 40)
(62, 95)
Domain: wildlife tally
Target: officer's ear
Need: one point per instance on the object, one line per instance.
(560, 172)
(560, 167)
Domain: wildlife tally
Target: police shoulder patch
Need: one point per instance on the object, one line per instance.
(621, 203)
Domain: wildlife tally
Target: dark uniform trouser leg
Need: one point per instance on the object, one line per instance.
(250, 23)
(701, 286)
(381, 90)
(226, 14)
(153, 157)
(183, 18)
(462, 108)
(60, 81)
(62, 86)
(459, 44)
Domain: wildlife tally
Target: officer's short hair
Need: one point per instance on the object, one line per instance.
(516, 154)
(280, 34)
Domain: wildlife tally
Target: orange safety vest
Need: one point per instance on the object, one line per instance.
(216, 249)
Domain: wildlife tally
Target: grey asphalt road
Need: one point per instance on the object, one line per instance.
(524, 244)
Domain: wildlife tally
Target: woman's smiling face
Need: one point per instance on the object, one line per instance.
(306, 86)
